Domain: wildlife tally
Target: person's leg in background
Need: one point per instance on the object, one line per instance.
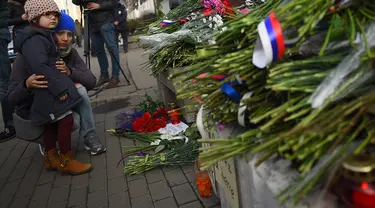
(124, 36)
(97, 46)
(117, 34)
(9, 132)
(87, 124)
(108, 33)
(79, 41)
(7, 108)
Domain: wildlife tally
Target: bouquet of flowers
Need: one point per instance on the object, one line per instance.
(312, 97)
(150, 117)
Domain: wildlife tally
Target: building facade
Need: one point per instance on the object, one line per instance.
(67, 7)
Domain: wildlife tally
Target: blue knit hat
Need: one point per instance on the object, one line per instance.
(65, 23)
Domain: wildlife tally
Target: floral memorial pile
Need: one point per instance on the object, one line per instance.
(297, 74)
(161, 138)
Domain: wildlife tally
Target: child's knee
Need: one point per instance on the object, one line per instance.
(82, 90)
(83, 93)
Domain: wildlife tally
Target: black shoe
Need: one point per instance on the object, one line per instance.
(7, 134)
(113, 82)
(102, 80)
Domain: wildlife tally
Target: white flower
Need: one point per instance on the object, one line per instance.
(165, 136)
(220, 22)
(214, 19)
(204, 20)
(156, 142)
(219, 17)
(210, 25)
(211, 42)
(224, 28)
(210, 18)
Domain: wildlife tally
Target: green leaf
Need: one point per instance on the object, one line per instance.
(159, 148)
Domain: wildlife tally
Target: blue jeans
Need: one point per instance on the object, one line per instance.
(84, 110)
(5, 71)
(106, 34)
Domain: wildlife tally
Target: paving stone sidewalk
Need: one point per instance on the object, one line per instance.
(24, 183)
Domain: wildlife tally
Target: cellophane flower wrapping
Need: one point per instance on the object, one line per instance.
(344, 70)
(125, 119)
(158, 41)
(199, 30)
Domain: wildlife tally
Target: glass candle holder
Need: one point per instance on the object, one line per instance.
(202, 179)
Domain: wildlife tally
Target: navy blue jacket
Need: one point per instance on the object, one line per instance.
(120, 15)
(40, 53)
(102, 15)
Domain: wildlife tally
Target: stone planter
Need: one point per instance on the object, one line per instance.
(167, 92)
(242, 185)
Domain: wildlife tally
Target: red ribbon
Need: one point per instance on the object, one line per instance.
(279, 34)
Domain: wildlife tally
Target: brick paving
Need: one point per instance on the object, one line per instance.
(24, 183)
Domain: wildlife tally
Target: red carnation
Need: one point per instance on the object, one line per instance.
(147, 124)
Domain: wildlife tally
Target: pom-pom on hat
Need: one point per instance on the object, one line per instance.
(36, 8)
(65, 23)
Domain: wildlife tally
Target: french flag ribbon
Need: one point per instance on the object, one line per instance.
(166, 22)
(270, 45)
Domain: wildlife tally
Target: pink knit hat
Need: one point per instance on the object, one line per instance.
(36, 8)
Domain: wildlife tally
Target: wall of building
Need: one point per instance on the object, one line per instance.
(142, 8)
(165, 6)
(66, 6)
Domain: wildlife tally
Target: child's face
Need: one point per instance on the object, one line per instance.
(64, 38)
(49, 20)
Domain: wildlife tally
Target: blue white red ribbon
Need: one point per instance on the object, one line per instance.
(232, 93)
(229, 90)
(241, 113)
(270, 44)
(166, 22)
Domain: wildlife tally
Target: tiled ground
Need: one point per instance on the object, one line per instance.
(25, 183)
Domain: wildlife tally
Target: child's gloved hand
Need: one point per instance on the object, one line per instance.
(60, 65)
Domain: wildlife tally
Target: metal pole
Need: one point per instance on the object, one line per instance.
(86, 38)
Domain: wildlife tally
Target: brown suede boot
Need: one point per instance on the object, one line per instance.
(51, 160)
(73, 167)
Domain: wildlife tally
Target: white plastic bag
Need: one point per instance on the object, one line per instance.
(338, 75)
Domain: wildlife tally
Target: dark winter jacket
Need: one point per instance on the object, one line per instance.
(40, 53)
(80, 73)
(120, 15)
(16, 11)
(4, 21)
(102, 15)
(19, 95)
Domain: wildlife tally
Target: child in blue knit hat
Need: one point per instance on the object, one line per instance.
(64, 35)
(73, 65)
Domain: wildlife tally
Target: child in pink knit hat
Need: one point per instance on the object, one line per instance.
(55, 95)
